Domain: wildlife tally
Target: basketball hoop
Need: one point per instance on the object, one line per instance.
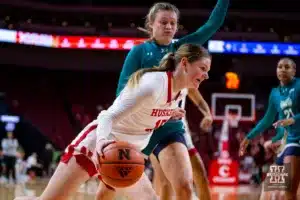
(233, 120)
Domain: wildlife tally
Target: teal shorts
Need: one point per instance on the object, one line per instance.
(169, 128)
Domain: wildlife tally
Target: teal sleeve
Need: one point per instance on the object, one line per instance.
(213, 24)
(279, 134)
(266, 121)
(132, 64)
(297, 118)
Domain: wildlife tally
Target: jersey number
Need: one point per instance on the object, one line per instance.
(158, 124)
(288, 113)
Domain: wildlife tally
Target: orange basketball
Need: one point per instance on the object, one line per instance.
(123, 164)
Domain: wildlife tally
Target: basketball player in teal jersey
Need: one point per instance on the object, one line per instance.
(168, 141)
(284, 101)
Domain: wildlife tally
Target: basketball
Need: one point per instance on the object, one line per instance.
(122, 165)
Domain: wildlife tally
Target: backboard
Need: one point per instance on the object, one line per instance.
(242, 105)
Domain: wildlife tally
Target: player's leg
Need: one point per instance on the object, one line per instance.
(172, 151)
(294, 162)
(140, 190)
(105, 193)
(160, 184)
(64, 182)
(200, 177)
(155, 175)
(265, 195)
(76, 166)
(199, 173)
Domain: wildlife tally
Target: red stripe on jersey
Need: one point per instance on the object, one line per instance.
(169, 86)
(93, 127)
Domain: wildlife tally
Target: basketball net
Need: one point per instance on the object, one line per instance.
(231, 121)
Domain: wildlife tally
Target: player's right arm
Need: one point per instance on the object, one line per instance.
(215, 21)
(203, 107)
(263, 124)
(129, 101)
(199, 101)
(133, 62)
(266, 121)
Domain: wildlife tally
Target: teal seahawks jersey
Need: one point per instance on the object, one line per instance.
(284, 101)
(149, 53)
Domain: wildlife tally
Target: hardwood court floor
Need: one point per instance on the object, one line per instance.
(87, 191)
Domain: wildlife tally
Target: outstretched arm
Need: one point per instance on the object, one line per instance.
(266, 121)
(132, 64)
(297, 116)
(213, 24)
(199, 101)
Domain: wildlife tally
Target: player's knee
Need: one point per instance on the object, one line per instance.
(165, 184)
(184, 186)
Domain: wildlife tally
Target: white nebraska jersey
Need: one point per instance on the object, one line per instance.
(138, 111)
(132, 117)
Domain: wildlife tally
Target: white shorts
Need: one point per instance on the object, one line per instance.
(83, 149)
(84, 145)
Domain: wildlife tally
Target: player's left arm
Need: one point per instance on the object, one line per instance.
(202, 105)
(279, 134)
(213, 24)
(199, 101)
(297, 116)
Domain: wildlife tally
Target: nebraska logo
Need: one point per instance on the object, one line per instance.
(278, 177)
(124, 154)
(124, 171)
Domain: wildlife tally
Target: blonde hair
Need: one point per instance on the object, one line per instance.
(169, 62)
(150, 18)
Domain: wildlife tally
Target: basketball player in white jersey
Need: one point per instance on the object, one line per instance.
(147, 102)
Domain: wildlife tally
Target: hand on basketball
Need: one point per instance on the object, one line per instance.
(206, 123)
(101, 144)
(284, 122)
(178, 113)
(243, 147)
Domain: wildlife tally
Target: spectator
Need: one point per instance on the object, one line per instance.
(9, 147)
(34, 168)
(21, 168)
(48, 155)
